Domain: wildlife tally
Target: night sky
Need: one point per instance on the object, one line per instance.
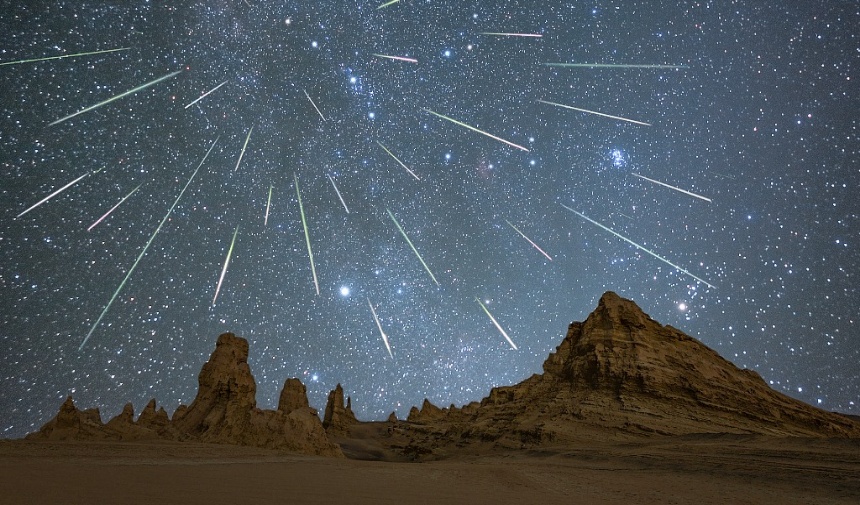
(752, 118)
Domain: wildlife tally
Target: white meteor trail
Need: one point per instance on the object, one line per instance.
(338, 194)
(204, 95)
(482, 132)
(508, 34)
(398, 58)
(52, 195)
(673, 187)
(379, 325)
(76, 55)
(315, 105)
(226, 264)
(307, 235)
(529, 240)
(498, 326)
(126, 197)
(145, 248)
(595, 113)
(268, 205)
(117, 97)
(398, 161)
(245, 146)
(637, 246)
(403, 232)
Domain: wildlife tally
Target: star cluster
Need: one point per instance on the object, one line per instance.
(753, 108)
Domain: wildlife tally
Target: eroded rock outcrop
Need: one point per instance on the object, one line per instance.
(338, 418)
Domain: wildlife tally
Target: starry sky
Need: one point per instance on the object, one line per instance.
(422, 227)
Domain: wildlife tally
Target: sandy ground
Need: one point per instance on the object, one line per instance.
(700, 470)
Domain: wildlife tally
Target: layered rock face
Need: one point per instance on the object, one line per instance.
(620, 373)
(224, 411)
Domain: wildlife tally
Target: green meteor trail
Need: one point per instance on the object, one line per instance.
(594, 112)
(76, 55)
(498, 326)
(412, 246)
(226, 264)
(145, 248)
(398, 161)
(245, 146)
(268, 204)
(307, 235)
(610, 65)
(482, 132)
(386, 4)
(637, 246)
(117, 97)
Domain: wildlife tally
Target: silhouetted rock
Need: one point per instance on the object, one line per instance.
(152, 419)
(72, 424)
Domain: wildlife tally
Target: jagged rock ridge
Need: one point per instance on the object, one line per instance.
(224, 411)
(620, 373)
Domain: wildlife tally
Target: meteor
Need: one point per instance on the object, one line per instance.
(379, 325)
(126, 197)
(398, 58)
(226, 264)
(482, 132)
(245, 146)
(52, 195)
(641, 248)
(338, 194)
(307, 235)
(34, 60)
(398, 161)
(386, 4)
(673, 187)
(412, 246)
(315, 105)
(204, 95)
(529, 240)
(498, 326)
(145, 248)
(595, 113)
(507, 34)
(117, 97)
(268, 204)
(610, 65)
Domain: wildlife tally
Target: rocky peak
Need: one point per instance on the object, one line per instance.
(338, 418)
(294, 396)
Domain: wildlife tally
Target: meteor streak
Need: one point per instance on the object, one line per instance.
(34, 60)
(529, 240)
(307, 235)
(673, 187)
(379, 325)
(226, 264)
(641, 248)
(386, 4)
(117, 97)
(338, 194)
(145, 248)
(412, 246)
(595, 113)
(245, 146)
(52, 195)
(482, 132)
(204, 95)
(398, 58)
(126, 197)
(498, 326)
(397, 160)
(506, 34)
(315, 105)
(609, 65)
(268, 205)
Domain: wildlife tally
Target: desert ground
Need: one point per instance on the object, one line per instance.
(700, 469)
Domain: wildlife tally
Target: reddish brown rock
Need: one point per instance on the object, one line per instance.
(72, 424)
(338, 418)
(294, 396)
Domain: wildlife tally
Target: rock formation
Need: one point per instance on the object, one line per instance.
(338, 418)
(224, 411)
(622, 374)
